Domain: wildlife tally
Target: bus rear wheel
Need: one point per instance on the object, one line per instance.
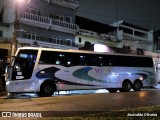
(137, 85)
(126, 86)
(47, 89)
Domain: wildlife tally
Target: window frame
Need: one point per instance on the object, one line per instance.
(69, 18)
(36, 10)
(57, 16)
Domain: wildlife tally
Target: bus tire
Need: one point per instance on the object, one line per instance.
(137, 85)
(112, 90)
(126, 86)
(47, 89)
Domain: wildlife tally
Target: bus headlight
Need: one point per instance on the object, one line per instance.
(7, 82)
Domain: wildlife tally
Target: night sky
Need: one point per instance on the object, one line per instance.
(145, 13)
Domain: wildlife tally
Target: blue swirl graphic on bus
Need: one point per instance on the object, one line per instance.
(83, 74)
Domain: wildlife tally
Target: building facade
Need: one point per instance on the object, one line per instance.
(45, 23)
(94, 33)
(48, 23)
(157, 41)
(52, 23)
(6, 23)
(133, 37)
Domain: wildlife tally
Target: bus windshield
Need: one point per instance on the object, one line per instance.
(24, 64)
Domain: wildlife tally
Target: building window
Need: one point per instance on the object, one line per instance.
(61, 41)
(68, 42)
(32, 36)
(54, 39)
(68, 19)
(33, 11)
(1, 15)
(126, 30)
(80, 40)
(126, 47)
(29, 36)
(158, 44)
(37, 37)
(57, 16)
(1, 33)
(140, 51)
(141, 34)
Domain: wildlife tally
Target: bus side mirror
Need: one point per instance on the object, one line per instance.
(7, 68)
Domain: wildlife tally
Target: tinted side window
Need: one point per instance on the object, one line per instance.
(48, 57)
(133, 61)
(82, 59)
(126, 61)
(101, 61)
(110, 60)
(58, 58)
(92, 60)
(72, 59)
(145, 62)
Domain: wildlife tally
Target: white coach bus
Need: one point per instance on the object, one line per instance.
(44, 71)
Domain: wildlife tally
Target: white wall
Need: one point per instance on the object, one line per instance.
(92, 40)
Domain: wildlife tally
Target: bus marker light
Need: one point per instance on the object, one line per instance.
(42, 72)
(141, 78)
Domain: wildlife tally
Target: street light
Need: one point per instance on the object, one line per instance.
(19, 1)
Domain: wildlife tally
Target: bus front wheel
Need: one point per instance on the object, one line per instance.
(47, 89)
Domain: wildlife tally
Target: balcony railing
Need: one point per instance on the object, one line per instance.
(35, 17)
(45, 41)
(134, 37)
(69, 1)
(64, 24)
(50, 23)
(30, 42)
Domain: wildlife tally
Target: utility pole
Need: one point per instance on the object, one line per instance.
(17, 4)
(117, 19)
(14, 39)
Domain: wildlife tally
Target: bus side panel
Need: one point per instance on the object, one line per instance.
(91, 77)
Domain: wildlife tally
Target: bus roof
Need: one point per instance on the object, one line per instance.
(81, 51)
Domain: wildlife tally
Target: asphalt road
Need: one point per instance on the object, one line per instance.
(83, 102)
